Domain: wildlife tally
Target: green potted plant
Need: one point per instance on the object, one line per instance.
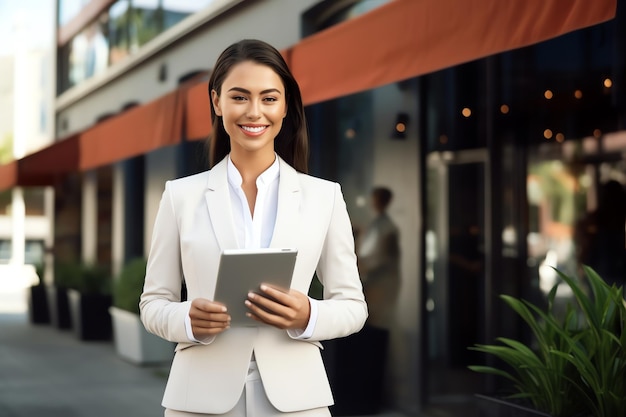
(89, 301)
(577, 363)
(132, 342)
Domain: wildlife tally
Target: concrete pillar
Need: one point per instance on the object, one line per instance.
(18, 235)
(48, 273)
(89, 218)
(118, 219)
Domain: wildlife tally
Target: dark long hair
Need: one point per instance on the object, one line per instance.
(292, 142)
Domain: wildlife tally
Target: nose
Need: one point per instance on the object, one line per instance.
(254, 110)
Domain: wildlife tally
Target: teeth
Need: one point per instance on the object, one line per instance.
(255, 129)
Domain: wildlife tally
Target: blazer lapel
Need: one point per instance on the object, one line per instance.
(288, 212)
(218, 201)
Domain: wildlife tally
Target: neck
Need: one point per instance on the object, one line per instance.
(250, 166)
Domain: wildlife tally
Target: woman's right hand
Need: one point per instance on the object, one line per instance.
(208, 318)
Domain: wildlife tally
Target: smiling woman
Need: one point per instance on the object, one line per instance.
(256, 195)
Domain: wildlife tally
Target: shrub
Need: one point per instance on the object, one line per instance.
(129, 285)
(578, 366)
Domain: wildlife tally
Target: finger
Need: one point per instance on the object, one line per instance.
(198, 316)
(260, 315)
(262, 302)
(278, 294)
(208, 305)
(208, 324)
(269, 312)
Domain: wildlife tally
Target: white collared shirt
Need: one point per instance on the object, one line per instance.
(255, 230)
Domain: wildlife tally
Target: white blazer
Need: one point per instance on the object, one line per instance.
(193, 225)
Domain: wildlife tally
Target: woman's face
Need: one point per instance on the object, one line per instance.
(252, 105)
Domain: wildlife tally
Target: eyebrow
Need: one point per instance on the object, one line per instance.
(243, 90)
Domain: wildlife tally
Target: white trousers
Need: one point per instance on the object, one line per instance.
(253, 403)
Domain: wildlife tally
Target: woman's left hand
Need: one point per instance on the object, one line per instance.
(285, 310)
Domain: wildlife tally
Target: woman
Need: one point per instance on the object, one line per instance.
(256, 194)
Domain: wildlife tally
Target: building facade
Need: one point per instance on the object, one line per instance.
(495, 130)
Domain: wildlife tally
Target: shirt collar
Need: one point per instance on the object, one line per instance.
(266, 177)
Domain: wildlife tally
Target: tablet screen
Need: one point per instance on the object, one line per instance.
(244, 270)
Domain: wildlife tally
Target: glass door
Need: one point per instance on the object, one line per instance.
(455, 274)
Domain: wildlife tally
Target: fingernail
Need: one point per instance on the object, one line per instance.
(248, 303)
(251, 295)
(263, 287)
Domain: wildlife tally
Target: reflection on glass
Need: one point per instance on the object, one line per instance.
(145, 23)
(119, 38)
(579, 218)
(89, 54)
(379, 261)
(176, 10)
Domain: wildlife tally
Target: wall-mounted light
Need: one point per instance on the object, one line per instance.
(547, 134)
(162, 73)
(399, 129)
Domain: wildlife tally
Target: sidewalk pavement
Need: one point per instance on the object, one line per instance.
(48, 372)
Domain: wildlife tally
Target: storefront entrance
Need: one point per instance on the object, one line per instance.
(455, 274)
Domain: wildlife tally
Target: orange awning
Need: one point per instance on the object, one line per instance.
(46, 166)
(43, 167)
(137, 131)
(8, 175)
(197, 112)
(408, 38)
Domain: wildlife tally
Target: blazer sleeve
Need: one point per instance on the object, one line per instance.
(343, 310)
(162, 311)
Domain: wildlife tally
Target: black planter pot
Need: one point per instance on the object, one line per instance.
(90, 315)
(489, 406)
(58, 307)
(38, 310)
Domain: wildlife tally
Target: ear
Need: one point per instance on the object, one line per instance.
(216, 102)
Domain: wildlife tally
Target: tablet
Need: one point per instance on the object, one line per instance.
(243, 270)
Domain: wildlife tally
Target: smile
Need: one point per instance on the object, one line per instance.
(253, 129)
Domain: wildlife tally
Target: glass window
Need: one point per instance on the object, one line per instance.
(117, 33)
(119, 38)
(146, 22)
(89, 53)
(176, 10)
